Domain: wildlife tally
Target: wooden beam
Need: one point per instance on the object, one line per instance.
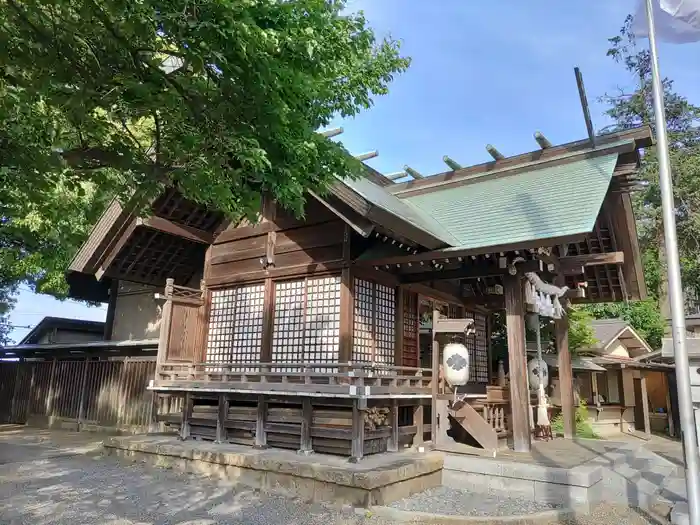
(469, 272)
(358, 432)
(451, 163)
(566, 377)
(432, 293)
(592, 259)
(418, 423)
(221, 417)
(497, 155)
(542, 140)
(331, 132)
(398, 327)
(413, 173)
(346, 316)
(452, 326)
(393, 444)
(179, 230)
(187, 407)
(443, 254)
(366, 156)
(517, 361)
(114, 251)
(641, 137)
(584, 106)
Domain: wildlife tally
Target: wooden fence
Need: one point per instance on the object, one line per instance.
(78, 393)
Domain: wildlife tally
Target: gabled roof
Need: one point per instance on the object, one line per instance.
(609, 331)
(491, 210)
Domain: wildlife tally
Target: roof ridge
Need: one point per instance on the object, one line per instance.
(571, 156)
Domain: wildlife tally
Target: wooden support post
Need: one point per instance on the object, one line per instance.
(358, 432)
(435, 383)
(645, 406)
(307, 415)
(346, 316)
(393, 445)
(83, 386)
(221, 417)
(418, 423)
(165, 324)
(594, 388)
(187, 407)
(261, 423)
(111, 309)
(268, 320)
(517, 361)
(566, 377)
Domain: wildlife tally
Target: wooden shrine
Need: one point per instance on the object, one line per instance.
(322, 333)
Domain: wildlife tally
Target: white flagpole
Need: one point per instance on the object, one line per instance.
(685, 401)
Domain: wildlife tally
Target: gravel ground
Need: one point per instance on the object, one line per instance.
(459, 502)
(77, 490)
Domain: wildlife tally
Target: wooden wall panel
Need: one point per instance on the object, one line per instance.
(185, 341)
(285, 242)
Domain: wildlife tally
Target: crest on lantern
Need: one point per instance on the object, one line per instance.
(538, 373)
(455, 364)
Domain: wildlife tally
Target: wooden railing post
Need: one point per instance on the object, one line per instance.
(418, 423)
(222, 415)
(187, 406)
(393, 445)
(165, 324)
(358, 432)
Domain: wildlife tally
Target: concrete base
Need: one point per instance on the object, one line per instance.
(680, 515)
(377, 480)
(567, 487)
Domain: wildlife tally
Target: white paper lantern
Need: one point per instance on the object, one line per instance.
(538, 371)
(455, 364)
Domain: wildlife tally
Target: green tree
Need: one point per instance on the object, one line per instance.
(120, 98)
(633, 108)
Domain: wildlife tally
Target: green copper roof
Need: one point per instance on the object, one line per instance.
(546, 202)
(381, 198)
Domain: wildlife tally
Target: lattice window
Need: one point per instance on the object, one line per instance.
(481, 361)
(235, 325)
(410, 329)
(375, 323)
(306, 321)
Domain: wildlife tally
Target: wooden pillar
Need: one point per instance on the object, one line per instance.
(566, 377)
(111, 309)
(165, 324)
(187, 407)
(517, 361)
(594, 388)
(221, 417)
(418, 423)
(393, 445)
(435, 383)
(268, 321)
(645, 406)
(346, 317)
(358, 432)
(261, 423)
(307, 415)
(83, 386)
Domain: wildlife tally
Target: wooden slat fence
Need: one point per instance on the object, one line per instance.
(84, 392)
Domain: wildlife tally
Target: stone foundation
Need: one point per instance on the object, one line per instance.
(377, 480)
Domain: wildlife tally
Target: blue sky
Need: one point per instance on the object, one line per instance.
(482, 72)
